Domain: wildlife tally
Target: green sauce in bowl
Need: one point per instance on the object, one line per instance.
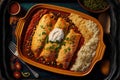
(95, 4)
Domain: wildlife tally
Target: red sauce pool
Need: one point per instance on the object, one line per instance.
(14, 8)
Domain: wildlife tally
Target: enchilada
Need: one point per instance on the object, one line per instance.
(51, 48)
(68, 49)
(43, 28)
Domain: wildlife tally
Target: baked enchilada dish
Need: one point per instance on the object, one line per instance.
(61, 40)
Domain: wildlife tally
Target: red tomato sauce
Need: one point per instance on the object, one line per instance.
(14, 8)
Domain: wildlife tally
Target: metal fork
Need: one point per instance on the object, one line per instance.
(12, 47)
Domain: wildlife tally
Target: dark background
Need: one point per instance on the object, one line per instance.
(5, 31)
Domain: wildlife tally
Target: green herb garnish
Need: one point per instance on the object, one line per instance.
(58, 47)
(63, 43)
(51, 48)
(40, 40)
(57, 41)
(42, 26)
(43, 33)
(49, 28)
(67, 49)
(46, 40)
(40, 47)
(67, 38)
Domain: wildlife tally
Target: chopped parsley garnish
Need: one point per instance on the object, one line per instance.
(46, 40)
(67, 49)
(57, 48)
(40, 40)
(63, 43)
(50, 28)
(51, 48)
(50, 25)
(72, 42)
(67, 38)
(40, 47)
(54, 47)
(43, 33)
(42, 26)
(57, 41)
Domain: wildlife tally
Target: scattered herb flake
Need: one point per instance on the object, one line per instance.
(69, 48)
(46, 40)
(40, 47)
(63, 43)
(44, 33)
(42, 26)
(65, 50)
(67, 38)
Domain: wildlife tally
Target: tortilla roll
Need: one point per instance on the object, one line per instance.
(51, 48)
(68, 49)
(43, 28)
